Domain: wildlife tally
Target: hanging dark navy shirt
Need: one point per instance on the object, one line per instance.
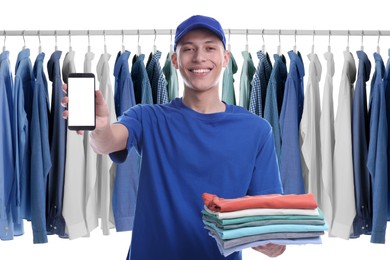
(40, 157)
(57, 137)
(360, 135)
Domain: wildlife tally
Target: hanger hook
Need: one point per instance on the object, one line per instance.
(123, 37)
(5, 37)
(379, 36)
(280, 31)
(262, 35)
(89, 40)
(314, 33)
(246, 36)
(155, 36)
(362, 36)
(55, 39)
(39, 37)
(229, 35)
(138, 36)
(171, 34)
(295, 36)
(329, 37)
(24, 40)
(70, 40)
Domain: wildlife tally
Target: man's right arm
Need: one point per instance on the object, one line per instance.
(107, 137)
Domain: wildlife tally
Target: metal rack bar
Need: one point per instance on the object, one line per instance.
(172, 32)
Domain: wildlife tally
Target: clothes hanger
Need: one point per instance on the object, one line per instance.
(154, 42)
(362, 45)
(279, 51)
(55, 46)
(171, 45)
(246, 44)
(70, 42)
(123, 42)
(312, 46)
(329, 48)
(89, 42)
(377, 46)
(40, 45)
(139, 46)
(347, 49)
(295, 41)
(5, 37)
(105, 45)
(263, 46)
(24, 42)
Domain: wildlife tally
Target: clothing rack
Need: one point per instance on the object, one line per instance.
(172, 31)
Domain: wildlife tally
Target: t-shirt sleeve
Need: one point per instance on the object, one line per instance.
(131, 120)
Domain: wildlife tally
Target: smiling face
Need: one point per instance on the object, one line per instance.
(200, 58)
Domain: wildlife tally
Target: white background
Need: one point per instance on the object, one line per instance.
(147, 14)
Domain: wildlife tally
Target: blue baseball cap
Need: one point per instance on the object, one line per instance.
(199, 22)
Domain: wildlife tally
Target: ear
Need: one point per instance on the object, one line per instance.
(226, 58)
(174, 60)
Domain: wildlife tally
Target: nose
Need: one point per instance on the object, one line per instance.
(199, 55)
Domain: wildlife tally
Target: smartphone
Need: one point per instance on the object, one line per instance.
(81, 103)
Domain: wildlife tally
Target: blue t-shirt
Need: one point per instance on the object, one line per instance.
(184, 154)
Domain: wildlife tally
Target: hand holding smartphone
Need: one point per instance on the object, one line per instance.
(81, 101)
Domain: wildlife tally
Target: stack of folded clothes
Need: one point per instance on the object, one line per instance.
(251, 221)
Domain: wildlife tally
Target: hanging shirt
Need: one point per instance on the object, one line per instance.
(260, 83)
(173, 211)
(309, 129)
(171, 78)
(360, 137)
(247, 72)
(57, 138)
(40, 157)
(24, 86)
(343, 183)
(386, 83)
(327, 140)
(9, 181)
(156, 78)
(91, 183)
(275, 89)
(127, 173)
(142, 87)
(228, 93)
(73, 210)
(290, 118)
(377, 149)
(105, 168)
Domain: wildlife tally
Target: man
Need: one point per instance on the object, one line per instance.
(194, 144)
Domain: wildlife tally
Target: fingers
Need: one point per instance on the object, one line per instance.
(271, 250)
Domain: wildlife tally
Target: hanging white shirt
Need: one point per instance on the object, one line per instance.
(343, 184)
(309, 131)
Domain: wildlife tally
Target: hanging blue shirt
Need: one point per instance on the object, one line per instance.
(23, 92)
(274, 98)
(142, 87)
(40, 158)
(360, 136)
(55, 222)
(290, 118)
(386, 83)
(157, 79)
(377, 152)
(9, 197)
(260, 84)
(127, 173)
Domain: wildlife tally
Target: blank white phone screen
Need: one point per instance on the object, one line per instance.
(81, 106)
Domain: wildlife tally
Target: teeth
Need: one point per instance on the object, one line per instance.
(201, 70)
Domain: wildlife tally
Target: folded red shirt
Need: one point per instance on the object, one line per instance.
(273, 201)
